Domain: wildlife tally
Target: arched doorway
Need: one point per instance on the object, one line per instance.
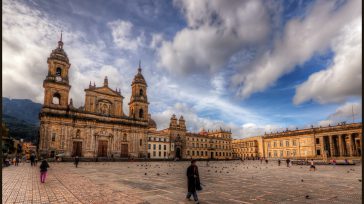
(178, 152)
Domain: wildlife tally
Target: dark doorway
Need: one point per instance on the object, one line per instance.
(124, 150)
(327, 145)
(52, 154)
(178, 153)
(77, 148)
(102, 148)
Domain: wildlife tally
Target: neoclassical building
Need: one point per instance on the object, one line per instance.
(340, 141)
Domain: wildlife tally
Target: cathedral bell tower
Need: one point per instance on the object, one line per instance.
(138, 106)
(56, 85)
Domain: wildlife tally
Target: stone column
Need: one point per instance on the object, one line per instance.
(322, 146)
(351, 152)
(341, 146)
(331, 146)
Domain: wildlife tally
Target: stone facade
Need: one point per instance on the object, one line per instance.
(100, 128)
(342, 140)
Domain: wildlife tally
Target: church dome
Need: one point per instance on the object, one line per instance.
(152, 123)
(59, 53)
(139, 77)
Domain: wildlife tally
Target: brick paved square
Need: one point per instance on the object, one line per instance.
(165, 182)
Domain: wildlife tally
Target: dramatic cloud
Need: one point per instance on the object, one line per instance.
(347, 112)
(215, 32)
(123, 35)
(343, 78)
(302, 38)
(29, 37)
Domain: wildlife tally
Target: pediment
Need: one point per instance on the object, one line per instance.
(106, 91)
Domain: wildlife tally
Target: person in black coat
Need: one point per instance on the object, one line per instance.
(77, 159)
(32, 160)
(193, 181)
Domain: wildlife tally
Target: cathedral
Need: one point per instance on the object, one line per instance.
(101, 129)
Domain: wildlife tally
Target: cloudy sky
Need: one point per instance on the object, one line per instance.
(249, 66)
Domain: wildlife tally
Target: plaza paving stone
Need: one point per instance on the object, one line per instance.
(165, 182)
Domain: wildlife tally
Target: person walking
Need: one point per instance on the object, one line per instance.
(76, 161)
(279, 162)
(32, 160)
(43, 170)
(193, 181)
(288, 161)
(334, 162)
(312, 165)
(17, 159)
(266, 161)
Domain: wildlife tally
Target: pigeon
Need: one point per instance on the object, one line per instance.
(359, 180)
(301, 180)
(307, 197)
(145, 173)
(157, 174)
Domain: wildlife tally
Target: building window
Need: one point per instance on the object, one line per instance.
(53, 137)
(160, 146)
(124, 138)
(280, 143)
(188, 152)
(165, 154)
(275, 153)
(141, 113)
(149, 139)
(294, 143)
(153, 153)
(141, 92)
(318, 152)
(140, 142)
(268, 144)
(281, 153)
(58, 71)
(317, 141)
(165, 147)
(193, 153)
(205, 153)
(288, 153)
(197, 153)
(160, 154)
(148, 146)
(154, 145)
(287, 143)
(56, 99)
(275, 144)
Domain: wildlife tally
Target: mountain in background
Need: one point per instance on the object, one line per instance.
(21, 116)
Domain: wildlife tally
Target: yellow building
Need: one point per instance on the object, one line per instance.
(340, 141)
(248, 147)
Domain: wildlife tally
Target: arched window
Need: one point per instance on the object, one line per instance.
(58, 71)
(78, 133)
(141, 92)
(141, 113)
(56, 99)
